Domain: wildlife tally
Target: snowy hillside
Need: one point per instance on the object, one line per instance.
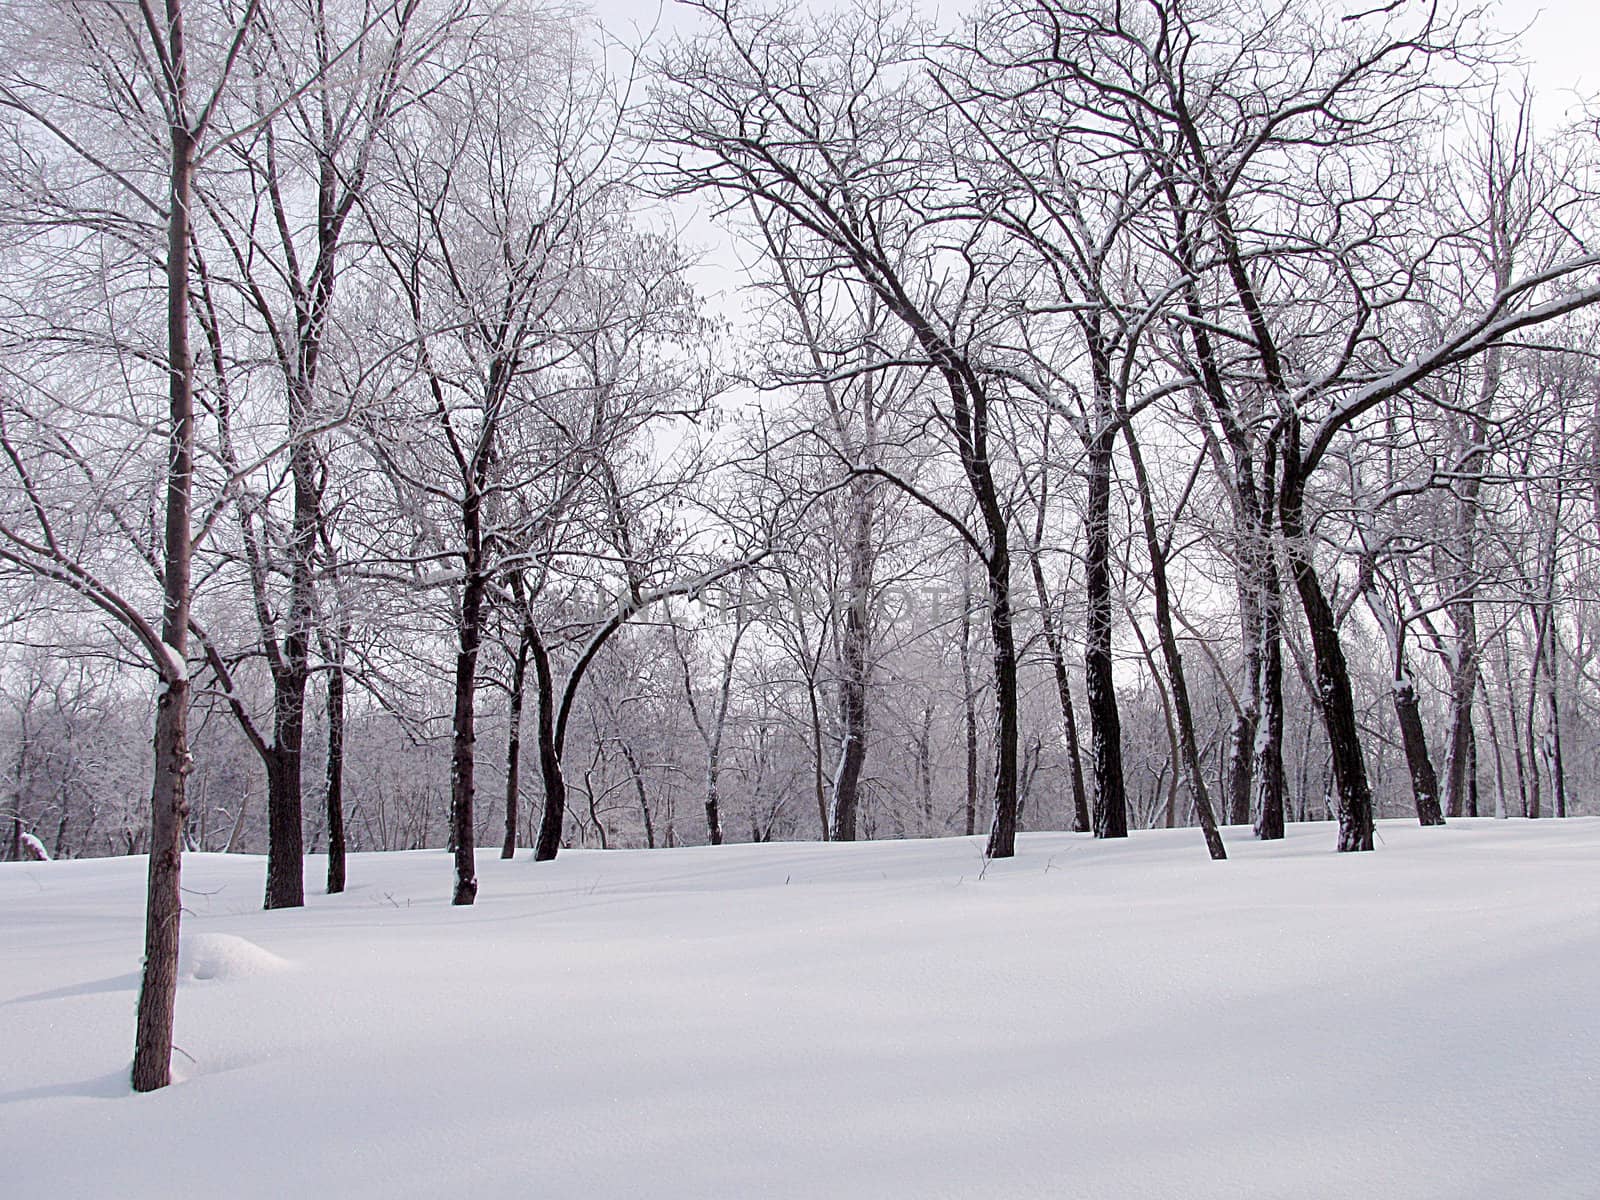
(1087, 1020)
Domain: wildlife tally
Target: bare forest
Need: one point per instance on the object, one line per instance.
(452, 423)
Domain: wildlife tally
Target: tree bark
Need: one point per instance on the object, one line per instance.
(1188, 745)
(285, 836)
(639, 792)
(1269, 772)
(554, 815)
(854, 666)
(519, 680)
(158, 985)
(1105, 725)
(969, 710)
(334, 791)
(1058, 666)
(1354, 793)
(464, 722)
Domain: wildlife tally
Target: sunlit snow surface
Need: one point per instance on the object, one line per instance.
(1087, 1020)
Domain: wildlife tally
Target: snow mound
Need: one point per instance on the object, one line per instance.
(224, 956)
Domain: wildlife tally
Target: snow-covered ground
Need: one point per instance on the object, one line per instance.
(877, 1020)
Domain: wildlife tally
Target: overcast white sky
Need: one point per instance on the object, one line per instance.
(1561, 46)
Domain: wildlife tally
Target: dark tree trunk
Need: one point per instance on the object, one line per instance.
(853, 667)
(1413, 737)
(1188, 745)
(1058, 665)
(925, 767)
(643, 797)
(969, 712)
(158, 986)
(1003, 833)
(169, 807)
(1269, 776)
(519, 680)
(285, 836)
(464, 726)
(1463, 687)
(1354, 793)
(1105, 725)
(335, 776)
(553, 818)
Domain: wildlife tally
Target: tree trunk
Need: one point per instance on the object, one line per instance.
(853, 666)
(1558, 769)
(158, 990)
(1105, 725)
(1188, 745)
(1269, 774)
(639, 791)
(925, 767)
(1463, 687)
(1424, 782)
(334, 790)
(1058, 665)
(158, 985)
(554, 815)
(464, 730)
(969, 713)
(519, 680)
(285, 836)
(1354, 793)
(1003, 832)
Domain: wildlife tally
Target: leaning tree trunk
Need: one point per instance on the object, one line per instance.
(1188, 745)
(554, 815)
(637, 775)
(1354, 793)
(1058, 665)
(1414, 739)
